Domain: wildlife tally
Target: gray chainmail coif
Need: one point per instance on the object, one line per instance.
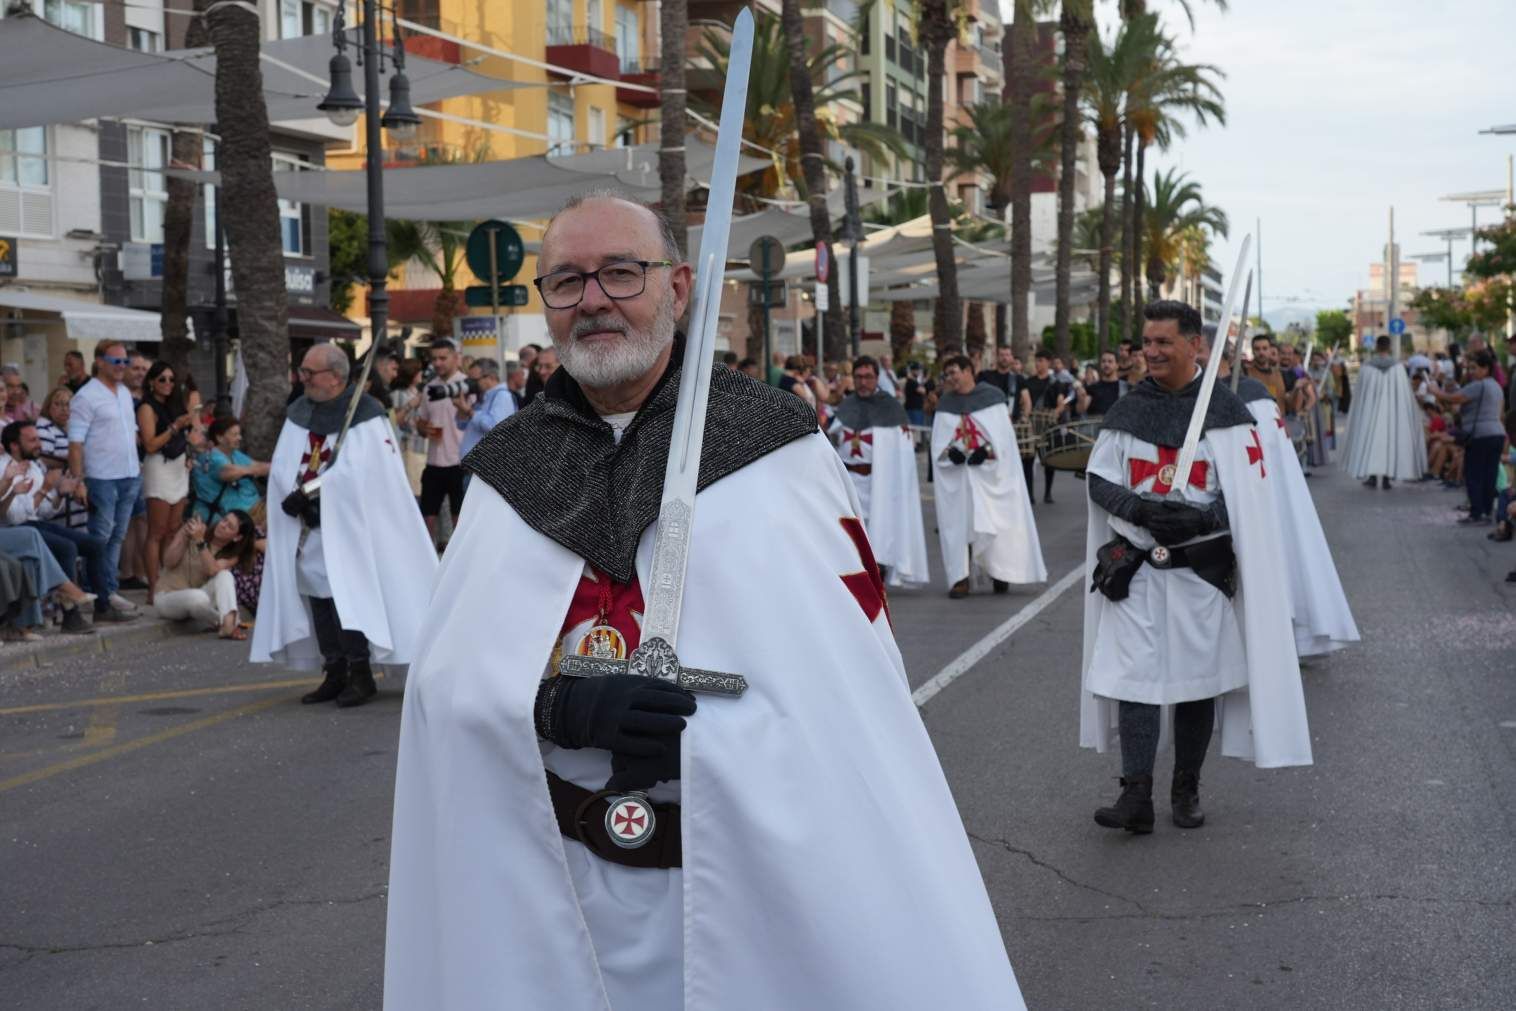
(559, 465)
(1162, 417)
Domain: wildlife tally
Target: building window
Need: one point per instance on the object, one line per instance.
(147, 151)
(560, 123)
(71, 15)
(303, 17)
(594, 17)
(626, 133)
(18, 171)
(145, 41)
(597, 126)
(866, 33)
(293, 221)
(210, 194)
(560, 19)
(629, 39)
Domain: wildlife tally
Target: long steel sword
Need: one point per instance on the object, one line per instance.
(655, 656)
(1212, 369)
(1242, 333)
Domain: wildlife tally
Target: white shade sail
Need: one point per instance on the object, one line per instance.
(86, 321)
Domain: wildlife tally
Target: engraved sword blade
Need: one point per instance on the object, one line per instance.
(680, 479)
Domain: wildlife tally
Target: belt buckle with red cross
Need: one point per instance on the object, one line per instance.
(629, 820)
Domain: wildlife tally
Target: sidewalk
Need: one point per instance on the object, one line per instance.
(108, 638)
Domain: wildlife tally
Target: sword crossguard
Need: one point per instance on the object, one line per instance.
(655, 658)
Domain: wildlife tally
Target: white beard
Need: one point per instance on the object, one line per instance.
(608, 363)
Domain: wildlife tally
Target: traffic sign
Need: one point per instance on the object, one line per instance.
(766, 256)
(1397, 327)
(823, 296)
(505, 242)
(479, 295)
(823, 263)
(773, 294)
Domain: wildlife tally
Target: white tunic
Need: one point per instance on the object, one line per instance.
(889, 496)
(1175, 638)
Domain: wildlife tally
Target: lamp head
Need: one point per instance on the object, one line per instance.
(341, 104)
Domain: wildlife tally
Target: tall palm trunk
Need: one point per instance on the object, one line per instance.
(834, 343)
(937, 31)
(1127, 204)
(675, 17)
(178, 233)
(245, 161)
(1018, 95)
(975, 336)
(902, 330)
(1076, 33)
(1138, 199)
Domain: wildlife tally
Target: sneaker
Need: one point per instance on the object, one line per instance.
(120, 603)
(74, 623)
(114, 615)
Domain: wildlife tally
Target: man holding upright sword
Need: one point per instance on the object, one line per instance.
(1183, 550)
(573, 829)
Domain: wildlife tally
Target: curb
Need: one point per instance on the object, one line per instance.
(107, 639)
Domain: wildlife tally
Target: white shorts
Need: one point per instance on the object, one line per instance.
(165, 480)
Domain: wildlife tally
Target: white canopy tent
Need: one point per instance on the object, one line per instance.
(49, 75)
(83, 321)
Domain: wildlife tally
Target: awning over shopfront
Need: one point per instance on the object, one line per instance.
(317, 323)
(84, 321)
(48, 75)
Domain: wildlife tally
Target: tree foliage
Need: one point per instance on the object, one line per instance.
(1333, 328)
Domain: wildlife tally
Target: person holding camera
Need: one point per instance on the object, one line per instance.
(493, 404)
(349, 565)
(436, 419)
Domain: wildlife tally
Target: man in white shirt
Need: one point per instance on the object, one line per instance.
(37, 495)
(437, 419)
(102, 450)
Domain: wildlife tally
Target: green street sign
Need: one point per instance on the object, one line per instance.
(478, 296)
(509, 252)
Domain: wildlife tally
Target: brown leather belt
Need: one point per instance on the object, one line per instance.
(581, 817)
(860, 468)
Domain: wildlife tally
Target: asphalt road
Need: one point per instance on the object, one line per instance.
(176, 831)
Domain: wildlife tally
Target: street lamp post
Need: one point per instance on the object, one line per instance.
(853, 227)
(342, 106)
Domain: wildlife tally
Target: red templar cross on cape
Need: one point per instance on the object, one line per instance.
(867, 586)
(317, 455)
(1255, 453)
(970, 435)
(855, 441)
(1162, 471)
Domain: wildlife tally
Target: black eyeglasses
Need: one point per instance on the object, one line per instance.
(621, 279)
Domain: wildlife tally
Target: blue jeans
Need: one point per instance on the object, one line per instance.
(1481, 458)
(111, 501)
(68, 546)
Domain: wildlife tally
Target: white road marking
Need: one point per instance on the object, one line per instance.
(981, 649)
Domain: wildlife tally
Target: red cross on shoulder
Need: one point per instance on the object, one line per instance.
(867, 587)
(1255, 454)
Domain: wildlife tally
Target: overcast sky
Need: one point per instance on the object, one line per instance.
(1338, 109)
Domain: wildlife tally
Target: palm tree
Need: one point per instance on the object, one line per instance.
(178, 230)
(813, 167)
(439, 247)
(1021, 40)
(245, 160)
(674, 18)
(1178, 208)
(936, 26)
(1076, 20)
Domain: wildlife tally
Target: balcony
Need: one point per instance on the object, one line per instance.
(582, 50)
(642, 71)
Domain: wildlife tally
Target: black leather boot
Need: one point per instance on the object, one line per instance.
(360, 686)
(332, 686)
(1184, 798)
(959, 590)
(1001, 586)
(1133, 810)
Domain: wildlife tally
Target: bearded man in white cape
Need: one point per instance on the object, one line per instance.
(1323, 621)
(984, 514)
(873, 437)
(1188, 613)
(803, 839)
(349, 565)
(1385, 439)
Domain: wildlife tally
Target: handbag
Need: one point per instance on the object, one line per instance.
(1461, 436)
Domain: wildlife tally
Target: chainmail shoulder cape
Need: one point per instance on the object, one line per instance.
(1250, 389)
(881, 410)
(559, 465)
(982, 396)
(325, 417)
(1382, 362)
(1156, 415)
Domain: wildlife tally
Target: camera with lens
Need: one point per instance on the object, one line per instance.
(447, 391)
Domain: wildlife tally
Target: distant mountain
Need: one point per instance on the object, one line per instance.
(1283, 316)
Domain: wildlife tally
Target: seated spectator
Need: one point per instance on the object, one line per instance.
(43, 577)
(18, 399)
(52, 433)
(196, 582)
(225, 477)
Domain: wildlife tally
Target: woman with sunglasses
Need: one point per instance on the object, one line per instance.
(198, 566)
(162, 421)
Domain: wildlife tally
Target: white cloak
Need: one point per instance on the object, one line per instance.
(984, 512)
(1322, 619)
(1263, 720)
(372, 549)
(889, 497)
(1385, 436)
(820, 842)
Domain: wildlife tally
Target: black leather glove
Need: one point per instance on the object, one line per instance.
(1175, 522)
(956, 455)
(298, 505)
(978, 456)
(637, 719)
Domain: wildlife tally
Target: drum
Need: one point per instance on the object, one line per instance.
(1067, 447)
(1026, 439)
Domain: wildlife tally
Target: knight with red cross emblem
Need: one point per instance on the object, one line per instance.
(873, 439)
(984, 513)
(1190, 627)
